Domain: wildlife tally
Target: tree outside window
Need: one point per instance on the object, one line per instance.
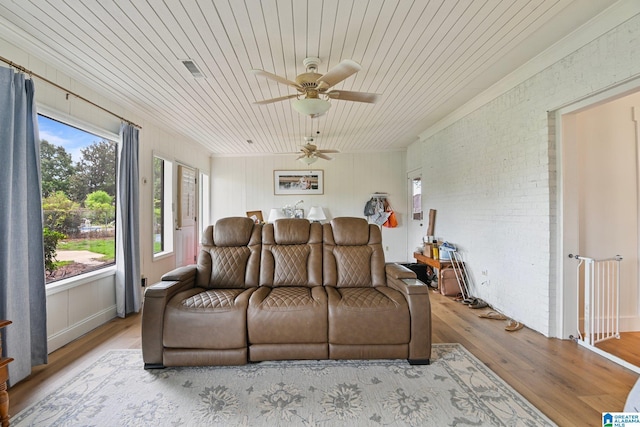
(79, 193)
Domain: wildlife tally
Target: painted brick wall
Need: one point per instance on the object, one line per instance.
(492, 177)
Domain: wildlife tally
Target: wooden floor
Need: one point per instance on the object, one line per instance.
(567, 382)
(626, 348)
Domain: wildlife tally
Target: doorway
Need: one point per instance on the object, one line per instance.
(600, 205)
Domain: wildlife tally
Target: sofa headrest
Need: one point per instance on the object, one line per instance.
(349, 231)
(207, 236)
(233, 231)
(291, 231)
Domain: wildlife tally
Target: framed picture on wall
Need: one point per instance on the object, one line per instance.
(298, 182)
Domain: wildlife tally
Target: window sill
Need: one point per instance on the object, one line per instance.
(162, 255)
(72, 282)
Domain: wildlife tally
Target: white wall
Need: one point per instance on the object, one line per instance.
(491, 175)
(75, 306)
(241, 184)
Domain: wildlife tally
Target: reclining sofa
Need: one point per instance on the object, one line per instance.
(288, 290)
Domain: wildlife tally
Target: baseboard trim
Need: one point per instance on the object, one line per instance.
(66, 335)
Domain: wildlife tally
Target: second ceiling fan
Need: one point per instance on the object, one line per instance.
(314, 88)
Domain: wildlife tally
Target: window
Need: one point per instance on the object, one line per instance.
(417, 199)
(204, 205)
(78, 199)
(162, 204)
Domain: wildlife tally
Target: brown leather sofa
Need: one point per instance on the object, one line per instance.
(289, 290)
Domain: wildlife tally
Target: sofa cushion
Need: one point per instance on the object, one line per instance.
(349, 231)
(230, 254)
(294, 231)
(368, 316)
(209, 319)
(291, 253)
(233, 231)
(287, 315)
(352, 254)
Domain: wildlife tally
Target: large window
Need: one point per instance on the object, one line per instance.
(78, 199)
(162, 206)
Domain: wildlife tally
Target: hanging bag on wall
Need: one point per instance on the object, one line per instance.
(392, 221)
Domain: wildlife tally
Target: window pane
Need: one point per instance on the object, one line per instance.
(78, 199)
(417, 199)
(158, 205)
(204, 205)
(162, 213)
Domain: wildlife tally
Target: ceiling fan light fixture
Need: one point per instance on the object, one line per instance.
(311, 106)
(308, 159)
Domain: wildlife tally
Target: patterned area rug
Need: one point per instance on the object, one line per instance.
(455, 390)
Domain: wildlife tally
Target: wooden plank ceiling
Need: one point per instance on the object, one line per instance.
(424, 57)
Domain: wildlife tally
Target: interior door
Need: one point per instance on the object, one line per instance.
(415, 229)
(186, 219)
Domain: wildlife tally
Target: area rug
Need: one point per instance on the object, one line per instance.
(455, 390)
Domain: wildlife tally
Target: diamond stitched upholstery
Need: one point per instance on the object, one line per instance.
(354, 265)
(212, 299)
(364, 298)
(290, 265)
(228, 266)
(288, 298)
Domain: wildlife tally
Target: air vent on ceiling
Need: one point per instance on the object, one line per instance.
(193, 68)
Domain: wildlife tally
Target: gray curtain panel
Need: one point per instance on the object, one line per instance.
(22, 276)
(128, 289)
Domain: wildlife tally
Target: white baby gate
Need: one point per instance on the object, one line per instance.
(599, 295)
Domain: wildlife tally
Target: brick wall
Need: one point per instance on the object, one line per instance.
(492, 176)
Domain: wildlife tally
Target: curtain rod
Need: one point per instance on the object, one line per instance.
(31, 73)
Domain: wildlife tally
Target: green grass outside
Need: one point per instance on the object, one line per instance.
(105, 247)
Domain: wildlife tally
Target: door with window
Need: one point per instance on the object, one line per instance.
(186, 217)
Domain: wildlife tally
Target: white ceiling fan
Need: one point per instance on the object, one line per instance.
(310, 152)
(313, 88)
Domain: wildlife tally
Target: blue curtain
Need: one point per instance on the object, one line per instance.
(128, 289)
(22, 276)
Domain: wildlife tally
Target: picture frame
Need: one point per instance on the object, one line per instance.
(301, 182)
(298, 213)
(256, 216)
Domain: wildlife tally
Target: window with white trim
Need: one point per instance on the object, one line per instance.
(162, 206)
(78, 171)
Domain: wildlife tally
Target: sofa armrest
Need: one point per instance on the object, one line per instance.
(398, 271)
(417, 296)
(181, 273)
(156, 298)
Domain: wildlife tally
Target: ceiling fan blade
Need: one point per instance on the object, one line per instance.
(327, 151)
(271, 76)
(272, 100)
(322, 156)
(338, 73)
(347, 95)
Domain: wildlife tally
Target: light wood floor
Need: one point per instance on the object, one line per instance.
(569, 383)
(626, 348)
